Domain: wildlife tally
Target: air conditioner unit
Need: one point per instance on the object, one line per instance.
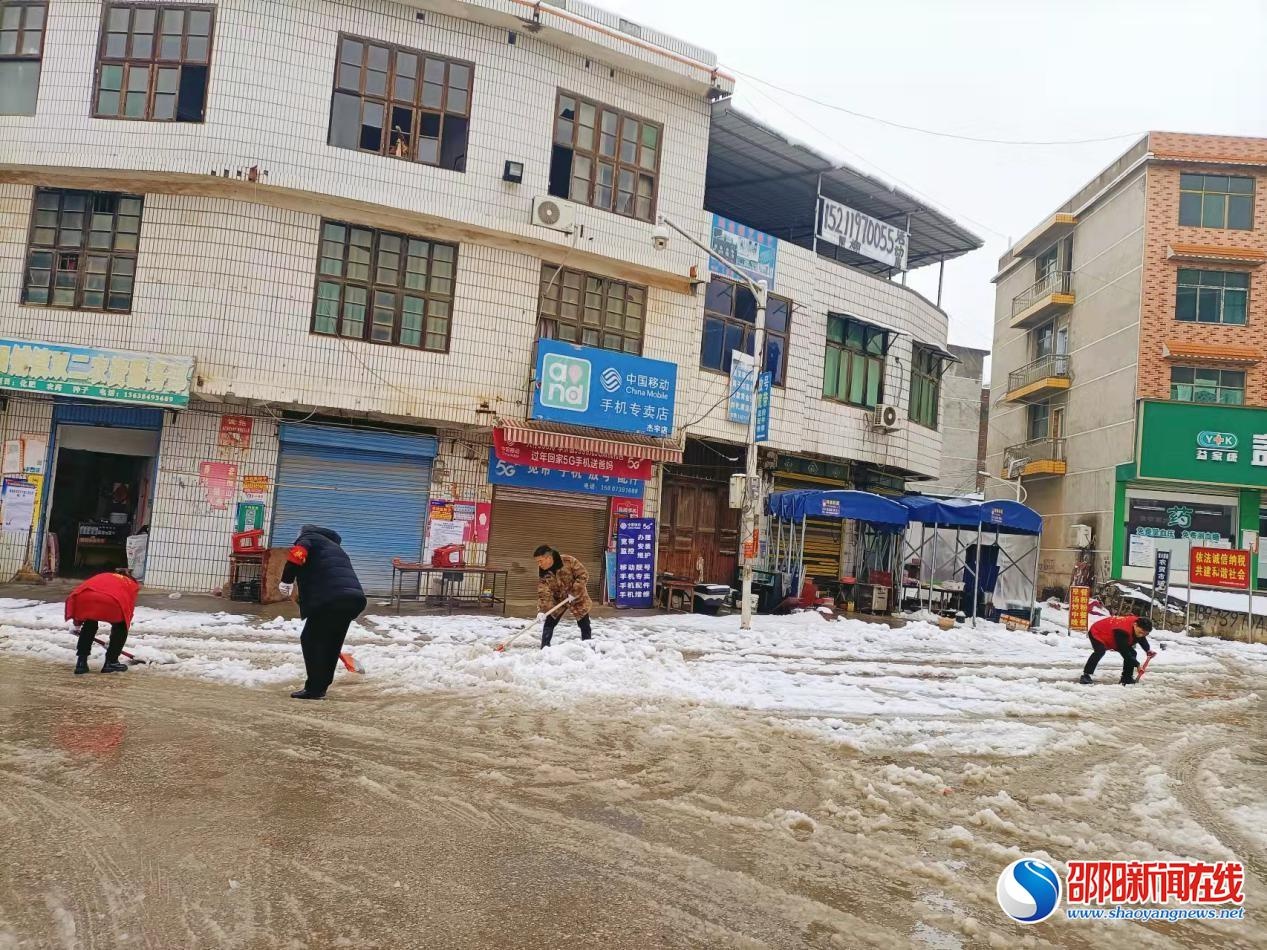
(553, 213)
(884, 419)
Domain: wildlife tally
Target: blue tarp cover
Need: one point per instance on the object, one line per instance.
(1007, 517)
(884, 513)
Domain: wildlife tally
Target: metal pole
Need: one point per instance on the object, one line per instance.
(752, 486)
(800, 576)
(932, 574)
(906, 264)
(941, 272)
(976, 578)
(1249, 615)
(818, 210)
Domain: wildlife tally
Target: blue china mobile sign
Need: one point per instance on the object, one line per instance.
(635, 562)
(604, 389)
(751, 251)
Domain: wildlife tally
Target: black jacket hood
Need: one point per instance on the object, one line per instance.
(324, 532)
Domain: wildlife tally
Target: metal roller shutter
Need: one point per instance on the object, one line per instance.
(572, 524)
(823, 536)
(370, 487)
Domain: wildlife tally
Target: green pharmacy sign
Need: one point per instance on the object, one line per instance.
(1202, 443)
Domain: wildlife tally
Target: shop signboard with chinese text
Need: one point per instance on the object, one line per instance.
(742, 378)
(1174, 525)
(635, 562)
(587, 386)
(1079, 608)
(1203, 443)
(90, 373)
(235, 432)
(764, 384)
(1161, 577)
(550, 479)
(753, 252)
(1226, 569)
(567, 460)
(854, 231)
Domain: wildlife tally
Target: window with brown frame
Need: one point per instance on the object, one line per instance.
(21, 48)
(604, 157)
(591, 310)
(154, 62)
(82, 250)
(387, 288)
(402, 103)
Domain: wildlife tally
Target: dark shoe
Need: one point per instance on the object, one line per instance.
(304, 694)
(115, 667)
(1129, 682)
(81, 665)
(1086, 680)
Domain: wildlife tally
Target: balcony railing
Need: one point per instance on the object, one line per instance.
(1057, 282)
(1055, 366)
(1046, 456)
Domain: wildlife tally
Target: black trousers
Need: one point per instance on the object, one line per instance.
(1123, 645)
(322, 641)
(118, 639)
(547, 631)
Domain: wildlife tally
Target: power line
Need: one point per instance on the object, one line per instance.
(945, 135)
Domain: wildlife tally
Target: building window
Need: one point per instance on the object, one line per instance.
(1038, 421)
(1216, 201)
(153, 63)
(401, 103)
(926, 369)
(82, 250)
(590, 310)
(604, 158)
(1196, 384)
(730, 314)
(385, 288)
(21, 46)
(854, 370)
(1212, 296)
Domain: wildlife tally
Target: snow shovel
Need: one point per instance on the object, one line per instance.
(501, 647)
(351, 663)
(1143, 669)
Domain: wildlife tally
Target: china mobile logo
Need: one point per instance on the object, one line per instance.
(1156, 882)
(565, 382)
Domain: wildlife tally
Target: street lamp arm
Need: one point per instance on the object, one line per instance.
(752, 285)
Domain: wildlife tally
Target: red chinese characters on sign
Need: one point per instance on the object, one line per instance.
(219, 482)
(1155, 882)
(568, 461)
(1227, 569)
(235, 432)
(622, 508)
(1079, 607)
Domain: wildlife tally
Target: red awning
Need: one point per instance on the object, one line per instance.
(577, 439)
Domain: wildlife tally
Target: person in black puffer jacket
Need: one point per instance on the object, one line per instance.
(330, 598)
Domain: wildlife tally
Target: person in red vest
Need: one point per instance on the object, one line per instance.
(1120, 634)
(106, 598)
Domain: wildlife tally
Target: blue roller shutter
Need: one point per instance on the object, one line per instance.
(371, 487)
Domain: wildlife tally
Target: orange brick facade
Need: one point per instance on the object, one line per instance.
(1175, 153)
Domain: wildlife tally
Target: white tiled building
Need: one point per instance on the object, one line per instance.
(243, 213)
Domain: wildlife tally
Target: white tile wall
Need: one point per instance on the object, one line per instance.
(271, 79)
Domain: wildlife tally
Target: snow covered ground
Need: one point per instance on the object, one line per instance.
(836, 783)
(965, 690)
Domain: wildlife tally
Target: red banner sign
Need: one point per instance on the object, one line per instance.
(1220, 567)
(235, 432)
(1079, 608)
(567, 461)
(622, 508)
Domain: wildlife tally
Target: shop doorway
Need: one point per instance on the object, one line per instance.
(100, 496)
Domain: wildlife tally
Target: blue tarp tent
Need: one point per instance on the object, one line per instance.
(974, 562)
(796, 506)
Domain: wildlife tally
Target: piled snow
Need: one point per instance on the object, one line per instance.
(980, 690)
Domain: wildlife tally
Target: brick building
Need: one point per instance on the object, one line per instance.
(259, 268)
(1129, 333)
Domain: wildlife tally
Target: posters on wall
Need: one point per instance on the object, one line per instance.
(17, 502)
(753, 252)
(219, 483)
(34, 454)
(1175, 525)
(235, 433)
(451, 521)
(12, 457)
(250, 516)
(255, 484)
(742, 382)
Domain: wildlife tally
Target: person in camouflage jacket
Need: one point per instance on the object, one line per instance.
(560, 576)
